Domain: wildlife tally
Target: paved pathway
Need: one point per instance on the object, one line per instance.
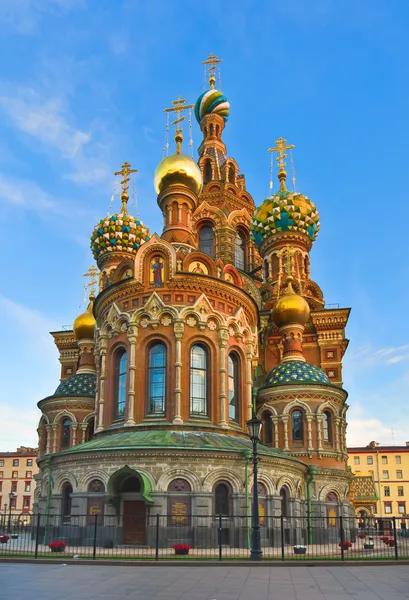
(75, 582)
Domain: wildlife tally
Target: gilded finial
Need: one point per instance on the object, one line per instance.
(178, 106)
(280, 147)
(125, 172)
(212, 61)
(92, 275)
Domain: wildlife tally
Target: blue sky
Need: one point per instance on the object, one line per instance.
(82, 88)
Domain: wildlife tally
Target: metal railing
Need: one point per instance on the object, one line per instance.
(206, 537)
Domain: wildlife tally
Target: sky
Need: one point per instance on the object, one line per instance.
(83, 85)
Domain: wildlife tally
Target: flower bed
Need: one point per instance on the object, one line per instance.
(4, 538)
(345, 545)
(181, 549)
(57, 546)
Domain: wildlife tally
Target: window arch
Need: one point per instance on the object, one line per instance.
(233, 374)
(332, 497)
(327, 426)
(198, 380)
(206, 240)
(90, 430)
(232, 174)
(120, 384)
(297, 426)
(207, 171)
(66, 492)
(66, 434)
(222, 499)
(157, 379)
(240, 243)
(284, 495)
(96, 486)
(267, 429)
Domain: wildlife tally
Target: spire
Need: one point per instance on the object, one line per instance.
(280, 147)
(125, 172)
(291, 314)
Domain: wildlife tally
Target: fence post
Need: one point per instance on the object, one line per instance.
(94, 553)
(282, 535)
(220, 537)
(341, 532)
(395, 538)
(157, 538)
(37, 534)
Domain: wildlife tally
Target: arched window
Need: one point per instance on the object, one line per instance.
(297, 426)
(327, 426)
(222, 497)
(198, 380)
(90, 430)
(66, 501)
(233, 372)
(120, 392)
(240, 250)
(157, 379)
(267, 429)
(96, 487)
(284, 501)
(206, 240)
(66, 434)
(332, 497)
(231, 174)
(211, 129)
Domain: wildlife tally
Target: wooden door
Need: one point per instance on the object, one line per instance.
(134, 522)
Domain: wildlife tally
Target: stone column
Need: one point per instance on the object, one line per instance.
(74, 435)
(178, 328)
(132, 337)
(223, 338)
(249, 378)
(309, 433)
(102, 377)
(319, 431)
(55, 430)
(274, 418)
(284, 419)
(48, 442)
(83, 431)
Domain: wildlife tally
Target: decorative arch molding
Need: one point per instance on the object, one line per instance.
(240, 218)
(115, 322)
(88, 417)
(223, 474)
(231, 273)
(206, 211)
(203, 311)
(266, 408)
(364, 509)
(154, 245)
(126, 472)
(65, 477)
(65, 413)
(120, 270)
(338, 489)
(179, 473)
(328, 405)
(44, 420)
(193, 257)
(268, 483)
(286, 481)
(313, 289)
(300, 489)
(153, 312)
(88, 476)
(238, 321)
(297, 404)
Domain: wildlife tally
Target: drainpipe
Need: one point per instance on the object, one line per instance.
(47, 506)
(312, 471)
(247, 456)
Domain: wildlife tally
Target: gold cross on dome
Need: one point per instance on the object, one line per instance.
(212, 60)
(125, 172)
(280, 147)
(178, 106)
(93, 275)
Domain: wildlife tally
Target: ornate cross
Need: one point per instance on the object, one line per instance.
(212, 61)
(178, 106)
(93, 275)
(125, 172)
(280, 147)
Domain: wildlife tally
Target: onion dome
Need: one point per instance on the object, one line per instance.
(84, 324)
(82, 384)
(295, 372)
(212, 102)
(285, 211)
(291, 308)
(118, 233)
(178, 169)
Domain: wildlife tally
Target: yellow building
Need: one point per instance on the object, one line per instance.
(17, 471)
(381, 484)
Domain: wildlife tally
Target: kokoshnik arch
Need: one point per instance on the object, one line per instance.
(158, 374)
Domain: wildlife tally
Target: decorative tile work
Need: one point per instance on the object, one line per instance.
(295, 371)
(363, 488)
(82, 384)
(212, 101)
(118, 233)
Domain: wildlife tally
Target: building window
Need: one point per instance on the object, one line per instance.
(66, 434)
(384, 460)
(240, 250)
(66, 500)
(207, 171)
(400, 490)
(399, 474)
(398, 460)
(15, 475)
(326, 425)
(198, 380)
(157, 379)
(29, 462)
(120, 391)
(26, 501)
(401, 508)
(356, 460)
(29, 474)
(13, 502)
(388, 508)
(206, 240)
(267, 430)
(1, 486)
(15, 462)
(1, 463)
(385, 474)
(386, 490)
(233, 386)
(297, 426)
(369, 460)
(90, 430)
(284, 501)
(27, 487)
(14, 487)
(1, 474)
(222, 494)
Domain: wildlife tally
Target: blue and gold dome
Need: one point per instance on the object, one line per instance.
(82, 384)
(295, 372)
(285, 211)
(212, 102)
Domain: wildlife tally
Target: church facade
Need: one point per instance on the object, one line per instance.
(190, 332)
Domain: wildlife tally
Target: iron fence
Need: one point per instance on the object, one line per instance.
(206, 537)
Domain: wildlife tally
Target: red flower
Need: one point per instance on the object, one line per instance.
(345, 544)
(181, 547)
(57, 545)
(4, 538)
(362, 536)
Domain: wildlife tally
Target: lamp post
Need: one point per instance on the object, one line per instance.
(11, 496)
(256, 553)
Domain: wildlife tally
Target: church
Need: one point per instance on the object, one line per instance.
(190, 331)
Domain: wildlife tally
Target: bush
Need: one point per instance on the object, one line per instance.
(57, 546)
(4, 538)
(181, 547)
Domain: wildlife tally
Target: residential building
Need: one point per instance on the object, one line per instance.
(17, 472)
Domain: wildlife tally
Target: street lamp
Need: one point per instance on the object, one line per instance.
(256, 553)
(11, 496)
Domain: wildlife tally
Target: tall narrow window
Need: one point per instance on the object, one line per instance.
(326, 426)
(233, 386)
(284, 501)
(267, 429)
(157, 379)
(198, 380)
(297, 426)
(231, 174)
(90, 430)
(120, 384)
(66, 501)
(207, 171)
(66, 434)
(206, 240)
(222, 494)
(240, 250)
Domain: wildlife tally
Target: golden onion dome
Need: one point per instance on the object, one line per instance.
(291, 308)
(84, 324)
(178, 169)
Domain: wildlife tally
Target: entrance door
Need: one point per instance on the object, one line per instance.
(134, 522)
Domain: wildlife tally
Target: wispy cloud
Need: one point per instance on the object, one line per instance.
(390, 355)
